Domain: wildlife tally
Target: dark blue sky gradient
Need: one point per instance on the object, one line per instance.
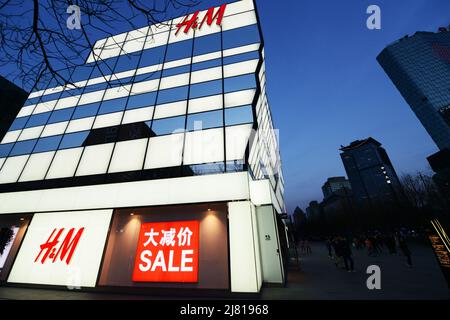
(326, 88)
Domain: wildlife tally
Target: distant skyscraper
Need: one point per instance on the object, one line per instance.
(12, 99)
(335, 184)
(419, 66)
(370, 171)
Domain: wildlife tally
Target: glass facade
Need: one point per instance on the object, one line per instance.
(204, 89)
(419, 66)
(372, 177)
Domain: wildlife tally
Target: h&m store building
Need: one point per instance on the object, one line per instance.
(159, 170)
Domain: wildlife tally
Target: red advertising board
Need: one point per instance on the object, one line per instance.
(167, 252)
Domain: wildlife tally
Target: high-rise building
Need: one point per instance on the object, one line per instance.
(12, 99)
(160, 166)
(335, 184)
(372, 177)
(313, 210)
(419, 66)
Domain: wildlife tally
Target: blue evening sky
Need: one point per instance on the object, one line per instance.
(326, 88)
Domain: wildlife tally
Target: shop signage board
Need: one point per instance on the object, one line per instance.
(62, 248)
(167, 252)
(440, 242)
(191, 22)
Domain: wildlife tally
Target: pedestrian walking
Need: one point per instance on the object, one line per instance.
(307, 247)
(405, 250)
(329, 248)
(346, 252)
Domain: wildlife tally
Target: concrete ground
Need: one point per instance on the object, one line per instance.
(317, 278)
(320, 279)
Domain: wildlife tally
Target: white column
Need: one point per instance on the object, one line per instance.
(245, 262)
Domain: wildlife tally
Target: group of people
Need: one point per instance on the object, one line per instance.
(373, 243)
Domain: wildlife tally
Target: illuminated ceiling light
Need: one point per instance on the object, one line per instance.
(132, 214)
(389, 181)
(22, 219)
(209, 209)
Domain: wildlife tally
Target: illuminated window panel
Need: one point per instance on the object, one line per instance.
(237, 138)
(110, 51)
(25, 111)
(118, 92)
(108, 120)
(11, 136)
(54, 129)
(155, 40)
(174, 81)
(95, 159)
(137, 34)
(12, 168)
(91, 97)
(37, 166)
(205, 104)
(170, 109)
(98, 80)
(138, 115)
(164, 151)
(151, 69)
(177, 63)
(206, 57)
(238, 7)
(67, 102)
(240, 68)
(204, 146)
(30, 133)
(45, 106)
(239, 20)
(64, 164)
(128, 155)
(145, 86)
(206, 75)
(134, 45)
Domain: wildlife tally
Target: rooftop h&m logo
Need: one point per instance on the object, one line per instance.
(54, 248)
(192, 22)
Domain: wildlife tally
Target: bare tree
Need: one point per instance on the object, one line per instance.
(35, 39)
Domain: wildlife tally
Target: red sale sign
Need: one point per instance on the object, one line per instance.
(167, 252)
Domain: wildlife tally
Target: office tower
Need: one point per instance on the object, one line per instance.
(372, 177)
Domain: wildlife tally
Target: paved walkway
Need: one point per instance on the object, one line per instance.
(317, 279)
(320, 279)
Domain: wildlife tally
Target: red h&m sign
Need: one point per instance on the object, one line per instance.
(53, 249)
(192, 22)
(167, 252)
